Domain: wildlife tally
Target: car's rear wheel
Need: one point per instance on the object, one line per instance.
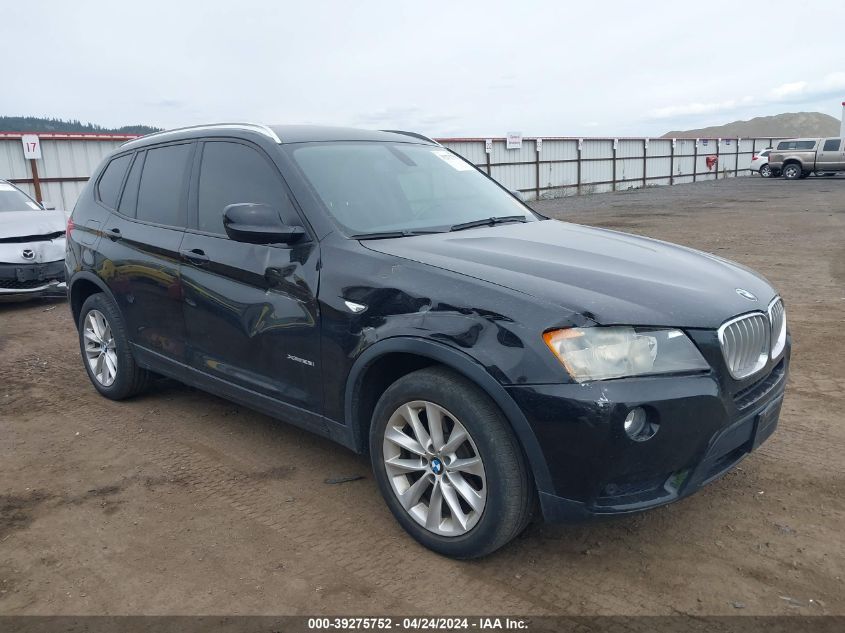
(792, 172)
(448, 464)
(105, 350)
(766, 171)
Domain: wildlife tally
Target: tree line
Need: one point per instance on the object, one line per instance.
(44, 124)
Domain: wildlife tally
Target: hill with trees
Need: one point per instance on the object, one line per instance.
(43, 124)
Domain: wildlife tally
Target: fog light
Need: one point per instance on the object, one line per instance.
(637, 425)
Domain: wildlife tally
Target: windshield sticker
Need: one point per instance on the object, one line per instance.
(452, 160)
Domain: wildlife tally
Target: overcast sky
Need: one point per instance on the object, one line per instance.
(443, 68)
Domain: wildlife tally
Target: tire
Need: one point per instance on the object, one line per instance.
(765, 171)
(500, 482)
(792, 171)
(103, 343)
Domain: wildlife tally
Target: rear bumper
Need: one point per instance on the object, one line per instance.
(596, 470)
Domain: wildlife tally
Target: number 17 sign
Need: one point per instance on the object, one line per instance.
(31, 146)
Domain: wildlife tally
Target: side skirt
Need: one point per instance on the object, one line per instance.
(283, 411)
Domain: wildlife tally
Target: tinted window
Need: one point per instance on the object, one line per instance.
(232, 173)
(832, 145)
(766, 153)
(109, 186)
(162, 185)
(800, 145)
(130, 191)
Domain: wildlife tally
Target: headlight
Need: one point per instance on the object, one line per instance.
(599, 353)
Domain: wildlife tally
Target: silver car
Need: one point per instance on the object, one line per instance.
(32, 247)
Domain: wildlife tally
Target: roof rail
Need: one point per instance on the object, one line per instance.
(414, 134)
(254, 127)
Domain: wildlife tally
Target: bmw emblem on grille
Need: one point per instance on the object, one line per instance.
(28, 253)
(436, 466)
(744, 293)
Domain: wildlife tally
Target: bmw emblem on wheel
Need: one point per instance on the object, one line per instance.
(436, 466)
(744, 293)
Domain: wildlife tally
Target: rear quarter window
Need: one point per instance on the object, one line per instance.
(108, 187)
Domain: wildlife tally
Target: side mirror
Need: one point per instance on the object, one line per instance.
(258, 224)
(518, 195)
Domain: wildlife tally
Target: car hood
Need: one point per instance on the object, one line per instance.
(607, 276)
(20, 223)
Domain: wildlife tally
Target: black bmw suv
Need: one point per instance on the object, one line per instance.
(377, 289)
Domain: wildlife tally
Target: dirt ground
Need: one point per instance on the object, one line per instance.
(179, 502)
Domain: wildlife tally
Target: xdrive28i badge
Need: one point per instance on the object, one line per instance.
(744, 293)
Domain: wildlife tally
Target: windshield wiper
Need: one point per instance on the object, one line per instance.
(386, 235)
(488, 222)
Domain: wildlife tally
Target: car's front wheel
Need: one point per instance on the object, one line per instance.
(766, 171)
(448, 464)
(105, 350)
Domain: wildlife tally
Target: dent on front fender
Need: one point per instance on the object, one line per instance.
(498, 328)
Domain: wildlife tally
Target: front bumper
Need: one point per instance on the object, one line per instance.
(32, 280)
(705, 429)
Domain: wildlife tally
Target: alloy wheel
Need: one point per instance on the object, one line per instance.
(434, 468)
(100, 348)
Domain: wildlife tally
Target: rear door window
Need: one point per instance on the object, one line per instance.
(108, 188)
(832, 145)
(161, 194)
(129, 199)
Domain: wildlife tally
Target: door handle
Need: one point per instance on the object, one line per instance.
(113, 234)
(195, 256)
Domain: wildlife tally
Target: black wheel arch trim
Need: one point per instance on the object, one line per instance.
(84, 275)
(468, 367)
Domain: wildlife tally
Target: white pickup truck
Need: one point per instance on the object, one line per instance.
(800, 157)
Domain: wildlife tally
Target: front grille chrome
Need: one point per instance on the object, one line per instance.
(777, 317)
(745, 343)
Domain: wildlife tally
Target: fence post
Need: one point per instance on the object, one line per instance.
(579, 166)
(672, 164)
(537, 167)
(645, 160)
(36, 182)
(718, 146)
(736, 158)
(487, 154)
(695, 162)
(615, 143)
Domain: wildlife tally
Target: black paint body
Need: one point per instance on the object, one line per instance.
(268, 326)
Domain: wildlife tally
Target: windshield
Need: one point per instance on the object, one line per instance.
(371, 187)
(12, 199)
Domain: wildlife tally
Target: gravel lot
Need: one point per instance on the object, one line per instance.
(180, 502)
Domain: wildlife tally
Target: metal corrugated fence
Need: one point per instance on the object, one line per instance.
(66, 163)
(557, 167)
(561, 167)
